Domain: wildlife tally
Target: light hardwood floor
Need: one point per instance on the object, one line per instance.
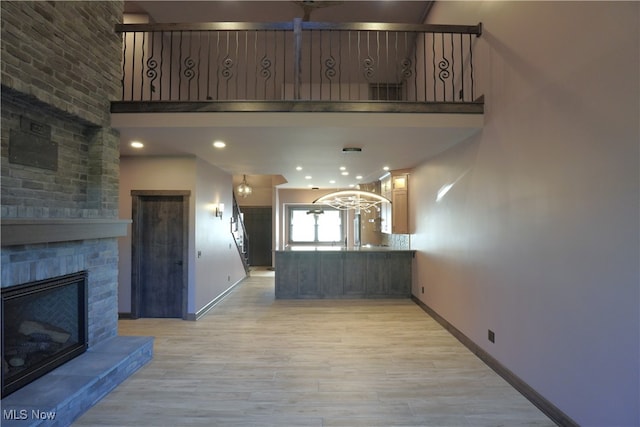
(254, 361)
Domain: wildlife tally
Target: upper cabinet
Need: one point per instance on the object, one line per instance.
(395, 217)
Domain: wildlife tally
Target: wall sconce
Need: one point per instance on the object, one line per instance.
(219, 210)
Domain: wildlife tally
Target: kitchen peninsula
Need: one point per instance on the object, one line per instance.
(307, 272)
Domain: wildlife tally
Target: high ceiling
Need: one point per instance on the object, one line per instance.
(276, 143)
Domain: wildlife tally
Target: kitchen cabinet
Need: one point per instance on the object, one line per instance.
(395, 217)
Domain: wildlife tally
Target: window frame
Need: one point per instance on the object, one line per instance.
(315, 242)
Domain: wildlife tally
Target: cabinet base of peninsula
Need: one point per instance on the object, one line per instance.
(344, 274)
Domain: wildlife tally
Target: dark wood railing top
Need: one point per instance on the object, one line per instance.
(347, 26)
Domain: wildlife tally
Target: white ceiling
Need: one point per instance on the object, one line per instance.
(276, 143)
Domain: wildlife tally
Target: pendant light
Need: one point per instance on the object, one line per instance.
(244, 190)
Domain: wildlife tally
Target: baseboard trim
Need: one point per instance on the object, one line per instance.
(548, 408)
(125, 316)
(204, 310)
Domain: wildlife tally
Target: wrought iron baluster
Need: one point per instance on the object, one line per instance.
(124, 62)
(152, 64)
(161, 62)
(218, 72)
(189, 65)
(246, 64)
(171, 65)
(320, 34)
(133, 64)
(330, 64)
(350, 79)
(142, 55)
(180, 68)
(453, 70)
(237, 56)
(275, 61)
(433, 44)
(208, 65)
(386, 46)
(473, 96)
(340, 65)
(424, 65)
(255, 59)
(226, 71)
(265, 66)
(462, 69)
(199, 62)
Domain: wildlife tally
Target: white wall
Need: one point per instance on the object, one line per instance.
(538, 239)
(219, 266)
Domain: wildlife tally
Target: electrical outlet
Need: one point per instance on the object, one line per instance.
(492, 336)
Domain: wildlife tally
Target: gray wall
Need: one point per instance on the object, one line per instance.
(537, 239)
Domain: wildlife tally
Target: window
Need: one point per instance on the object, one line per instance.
(308, 224)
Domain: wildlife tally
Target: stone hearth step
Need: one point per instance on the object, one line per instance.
(62, 395)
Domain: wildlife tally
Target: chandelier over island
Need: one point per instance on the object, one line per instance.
(357, 200)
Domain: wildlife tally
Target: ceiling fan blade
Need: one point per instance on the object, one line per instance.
(308, 6)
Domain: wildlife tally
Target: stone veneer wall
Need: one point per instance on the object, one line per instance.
(61, 67)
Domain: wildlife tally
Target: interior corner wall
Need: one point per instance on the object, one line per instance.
(530, 227)
(218, 265)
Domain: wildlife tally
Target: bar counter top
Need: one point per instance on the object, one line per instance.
(364, 248)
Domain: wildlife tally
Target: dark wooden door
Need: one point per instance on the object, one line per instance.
(257, 221)
(159, 261)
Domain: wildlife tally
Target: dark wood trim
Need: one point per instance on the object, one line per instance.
(304, 25)
(549, 409)
(297, 106)
(135, 243)
(46, 230)
(124, 316)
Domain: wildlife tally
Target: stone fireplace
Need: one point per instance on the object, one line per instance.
(60, 178)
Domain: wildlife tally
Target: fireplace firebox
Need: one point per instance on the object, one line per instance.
(44, 324)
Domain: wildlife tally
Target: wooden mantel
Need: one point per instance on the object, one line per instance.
(48, 230)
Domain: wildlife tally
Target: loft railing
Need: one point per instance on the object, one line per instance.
(298, 61)
(239, 233)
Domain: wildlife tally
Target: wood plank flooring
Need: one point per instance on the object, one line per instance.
(255, 361)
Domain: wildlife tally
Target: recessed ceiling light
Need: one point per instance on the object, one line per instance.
(298, 168)
(343, 168)
(219, 144)
(386, 168)
(333, 181)
(345, 173)
(137, 144)
(351, 185)
(358, 176)
(308, 177)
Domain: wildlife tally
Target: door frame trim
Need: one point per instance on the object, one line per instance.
(136, 196)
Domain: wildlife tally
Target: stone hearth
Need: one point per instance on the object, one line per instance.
(61, 396)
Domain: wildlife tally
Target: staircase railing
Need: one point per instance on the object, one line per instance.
(239, 233)
(299, 61)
